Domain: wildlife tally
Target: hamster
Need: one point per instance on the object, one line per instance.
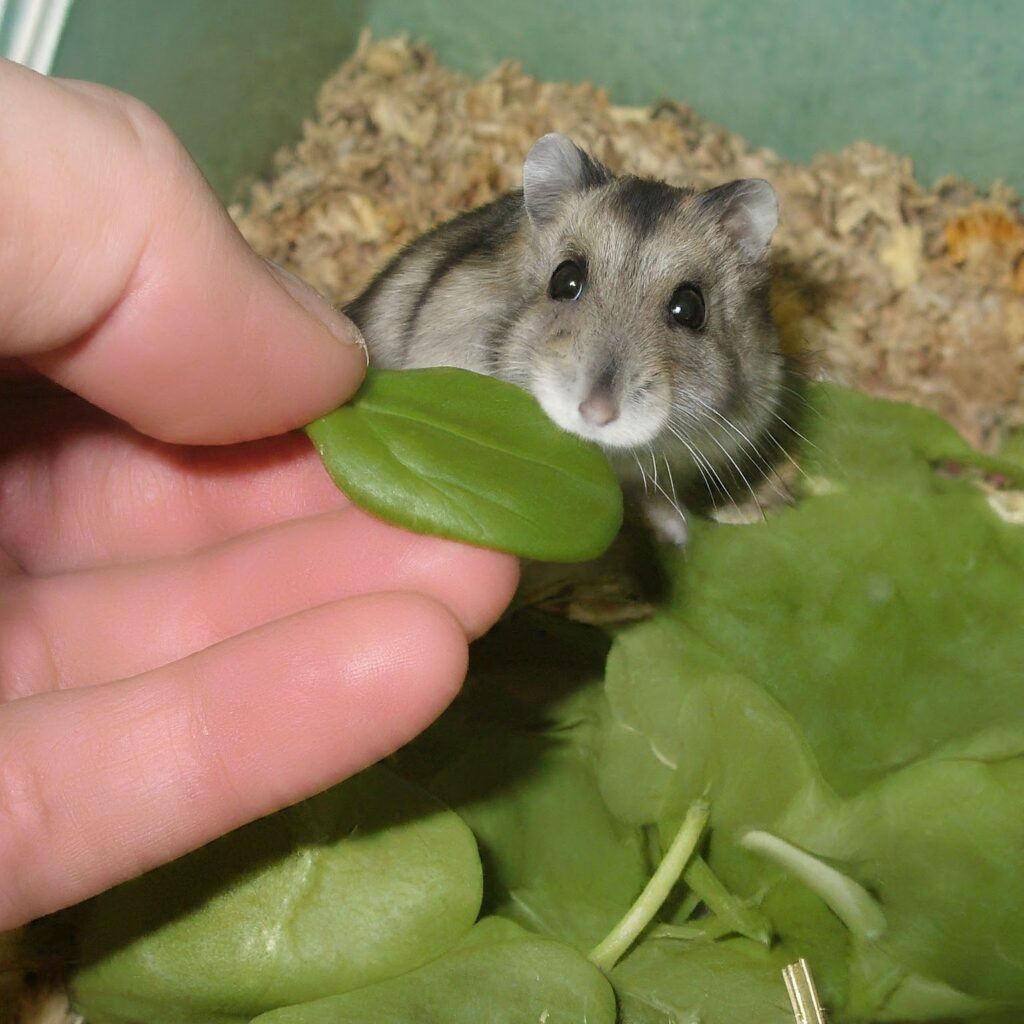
(636, 312)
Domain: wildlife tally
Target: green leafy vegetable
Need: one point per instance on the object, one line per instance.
(514, 758)
(462, 455)
(850, 902)
(856, 441)
(500, 974)
(666, 981)
(362, 883)
(557, 862)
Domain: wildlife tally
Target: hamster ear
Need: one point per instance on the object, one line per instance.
(555, 168)
(747, 210)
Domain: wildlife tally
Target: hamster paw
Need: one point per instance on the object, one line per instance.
(667, 522)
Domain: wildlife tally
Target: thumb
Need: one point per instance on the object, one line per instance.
(124, 280)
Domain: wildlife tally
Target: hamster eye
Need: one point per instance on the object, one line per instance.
(687, 307)
(567, 281)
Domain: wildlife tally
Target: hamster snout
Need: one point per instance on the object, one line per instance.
(602, 391)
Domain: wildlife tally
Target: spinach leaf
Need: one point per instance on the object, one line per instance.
(849, 440)
(462, 455)
(556, 861)
(668, 981)
(500, 974)
(364, 882)
(514, 757)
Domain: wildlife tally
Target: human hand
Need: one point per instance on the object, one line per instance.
(196, 628)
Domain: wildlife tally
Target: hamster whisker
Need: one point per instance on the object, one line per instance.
(789, 426)
(799, 396)
(770, 473)
(785, 451)
(699, 425)
(674, 504)
(735, 465)
(770, 435)
(697, 461)
(643, 475)
(671, 499)
(681, 425)
(702, 462)
(654, 465)
(671, 482)
(742, 475)
(782, 448)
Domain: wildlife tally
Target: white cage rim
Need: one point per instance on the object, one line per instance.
(30, 31)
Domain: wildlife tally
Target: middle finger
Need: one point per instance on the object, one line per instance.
(86, 627)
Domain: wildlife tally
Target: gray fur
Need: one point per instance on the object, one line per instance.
(473, 293)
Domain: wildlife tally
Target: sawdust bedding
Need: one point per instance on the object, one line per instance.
(904, 291)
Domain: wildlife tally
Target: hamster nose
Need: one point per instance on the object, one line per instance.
(599, 408)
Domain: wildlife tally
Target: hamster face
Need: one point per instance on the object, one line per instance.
(646, 321)
(637, 313)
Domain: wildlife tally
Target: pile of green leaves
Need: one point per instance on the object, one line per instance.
(843, 684)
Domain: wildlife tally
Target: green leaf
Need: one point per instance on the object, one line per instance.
(1013, 448)
(844, 682)
(670, 981)
(500, 974)
(854, 611)
(556, 861)
(364, 882)
(848, 900)
(513, 757)
(462, 455)
(855, 441)
(952, 894)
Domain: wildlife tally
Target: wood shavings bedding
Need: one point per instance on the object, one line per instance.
(901, 290)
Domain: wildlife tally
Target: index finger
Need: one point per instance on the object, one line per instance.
(123, 278)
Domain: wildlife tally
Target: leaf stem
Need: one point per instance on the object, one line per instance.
(707, 929)
(734, 912)
(606, 953)
(847, 899)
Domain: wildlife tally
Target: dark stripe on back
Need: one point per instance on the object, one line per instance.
(474, 233)
(478, 233)
(357, 309)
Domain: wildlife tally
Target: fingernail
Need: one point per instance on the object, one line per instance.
(313, 302)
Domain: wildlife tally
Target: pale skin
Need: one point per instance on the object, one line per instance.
(196, 628)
